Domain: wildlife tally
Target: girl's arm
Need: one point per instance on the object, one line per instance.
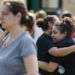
(61, 52)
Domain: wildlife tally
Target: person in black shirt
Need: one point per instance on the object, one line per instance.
(47, 52)
(61, 35)
(44, 43)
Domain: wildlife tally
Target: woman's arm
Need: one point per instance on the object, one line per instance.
(31, 65)
(49, 67)
(61, 52)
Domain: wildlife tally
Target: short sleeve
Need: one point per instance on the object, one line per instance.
(27, 47)
(44, 44)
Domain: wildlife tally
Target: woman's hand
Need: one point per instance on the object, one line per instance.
(53, 66)
(50, 67)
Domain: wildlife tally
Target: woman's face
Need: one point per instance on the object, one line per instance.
(57, 35)
(50, 27)
(8, 20)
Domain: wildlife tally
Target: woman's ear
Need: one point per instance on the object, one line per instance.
(18, 16)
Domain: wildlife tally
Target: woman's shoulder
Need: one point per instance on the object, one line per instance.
(26, 38)
(27, 45)
(65, 42)
(69, 41)
(44, 37)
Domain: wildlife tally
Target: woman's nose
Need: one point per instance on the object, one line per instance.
(52, 35)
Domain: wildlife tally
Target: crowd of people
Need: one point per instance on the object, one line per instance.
(35, 43)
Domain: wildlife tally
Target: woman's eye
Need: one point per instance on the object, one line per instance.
(54, 32)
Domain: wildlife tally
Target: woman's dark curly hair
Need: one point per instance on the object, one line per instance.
(17, 7)
(44, 24)
(65, 26)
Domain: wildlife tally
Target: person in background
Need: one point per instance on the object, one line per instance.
(1, 29)
(39, 16)
(69, 16)
(17, 50)
(46, 48)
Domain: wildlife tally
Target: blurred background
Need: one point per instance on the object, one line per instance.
(50, 6)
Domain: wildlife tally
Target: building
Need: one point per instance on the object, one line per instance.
(49, 5)
(69, 5)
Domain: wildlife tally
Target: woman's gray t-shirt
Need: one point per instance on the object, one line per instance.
(11, 57)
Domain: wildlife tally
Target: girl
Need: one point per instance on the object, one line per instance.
(61, 35)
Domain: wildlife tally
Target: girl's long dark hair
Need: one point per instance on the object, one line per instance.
(65, 26)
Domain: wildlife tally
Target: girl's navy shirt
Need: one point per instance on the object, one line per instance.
(67, 61)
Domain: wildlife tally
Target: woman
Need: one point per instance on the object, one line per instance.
(61, 35)
(18, 52)
(44, 43)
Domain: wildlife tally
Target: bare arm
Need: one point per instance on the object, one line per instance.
(49, 67)
(31, 65)
(61, 52)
